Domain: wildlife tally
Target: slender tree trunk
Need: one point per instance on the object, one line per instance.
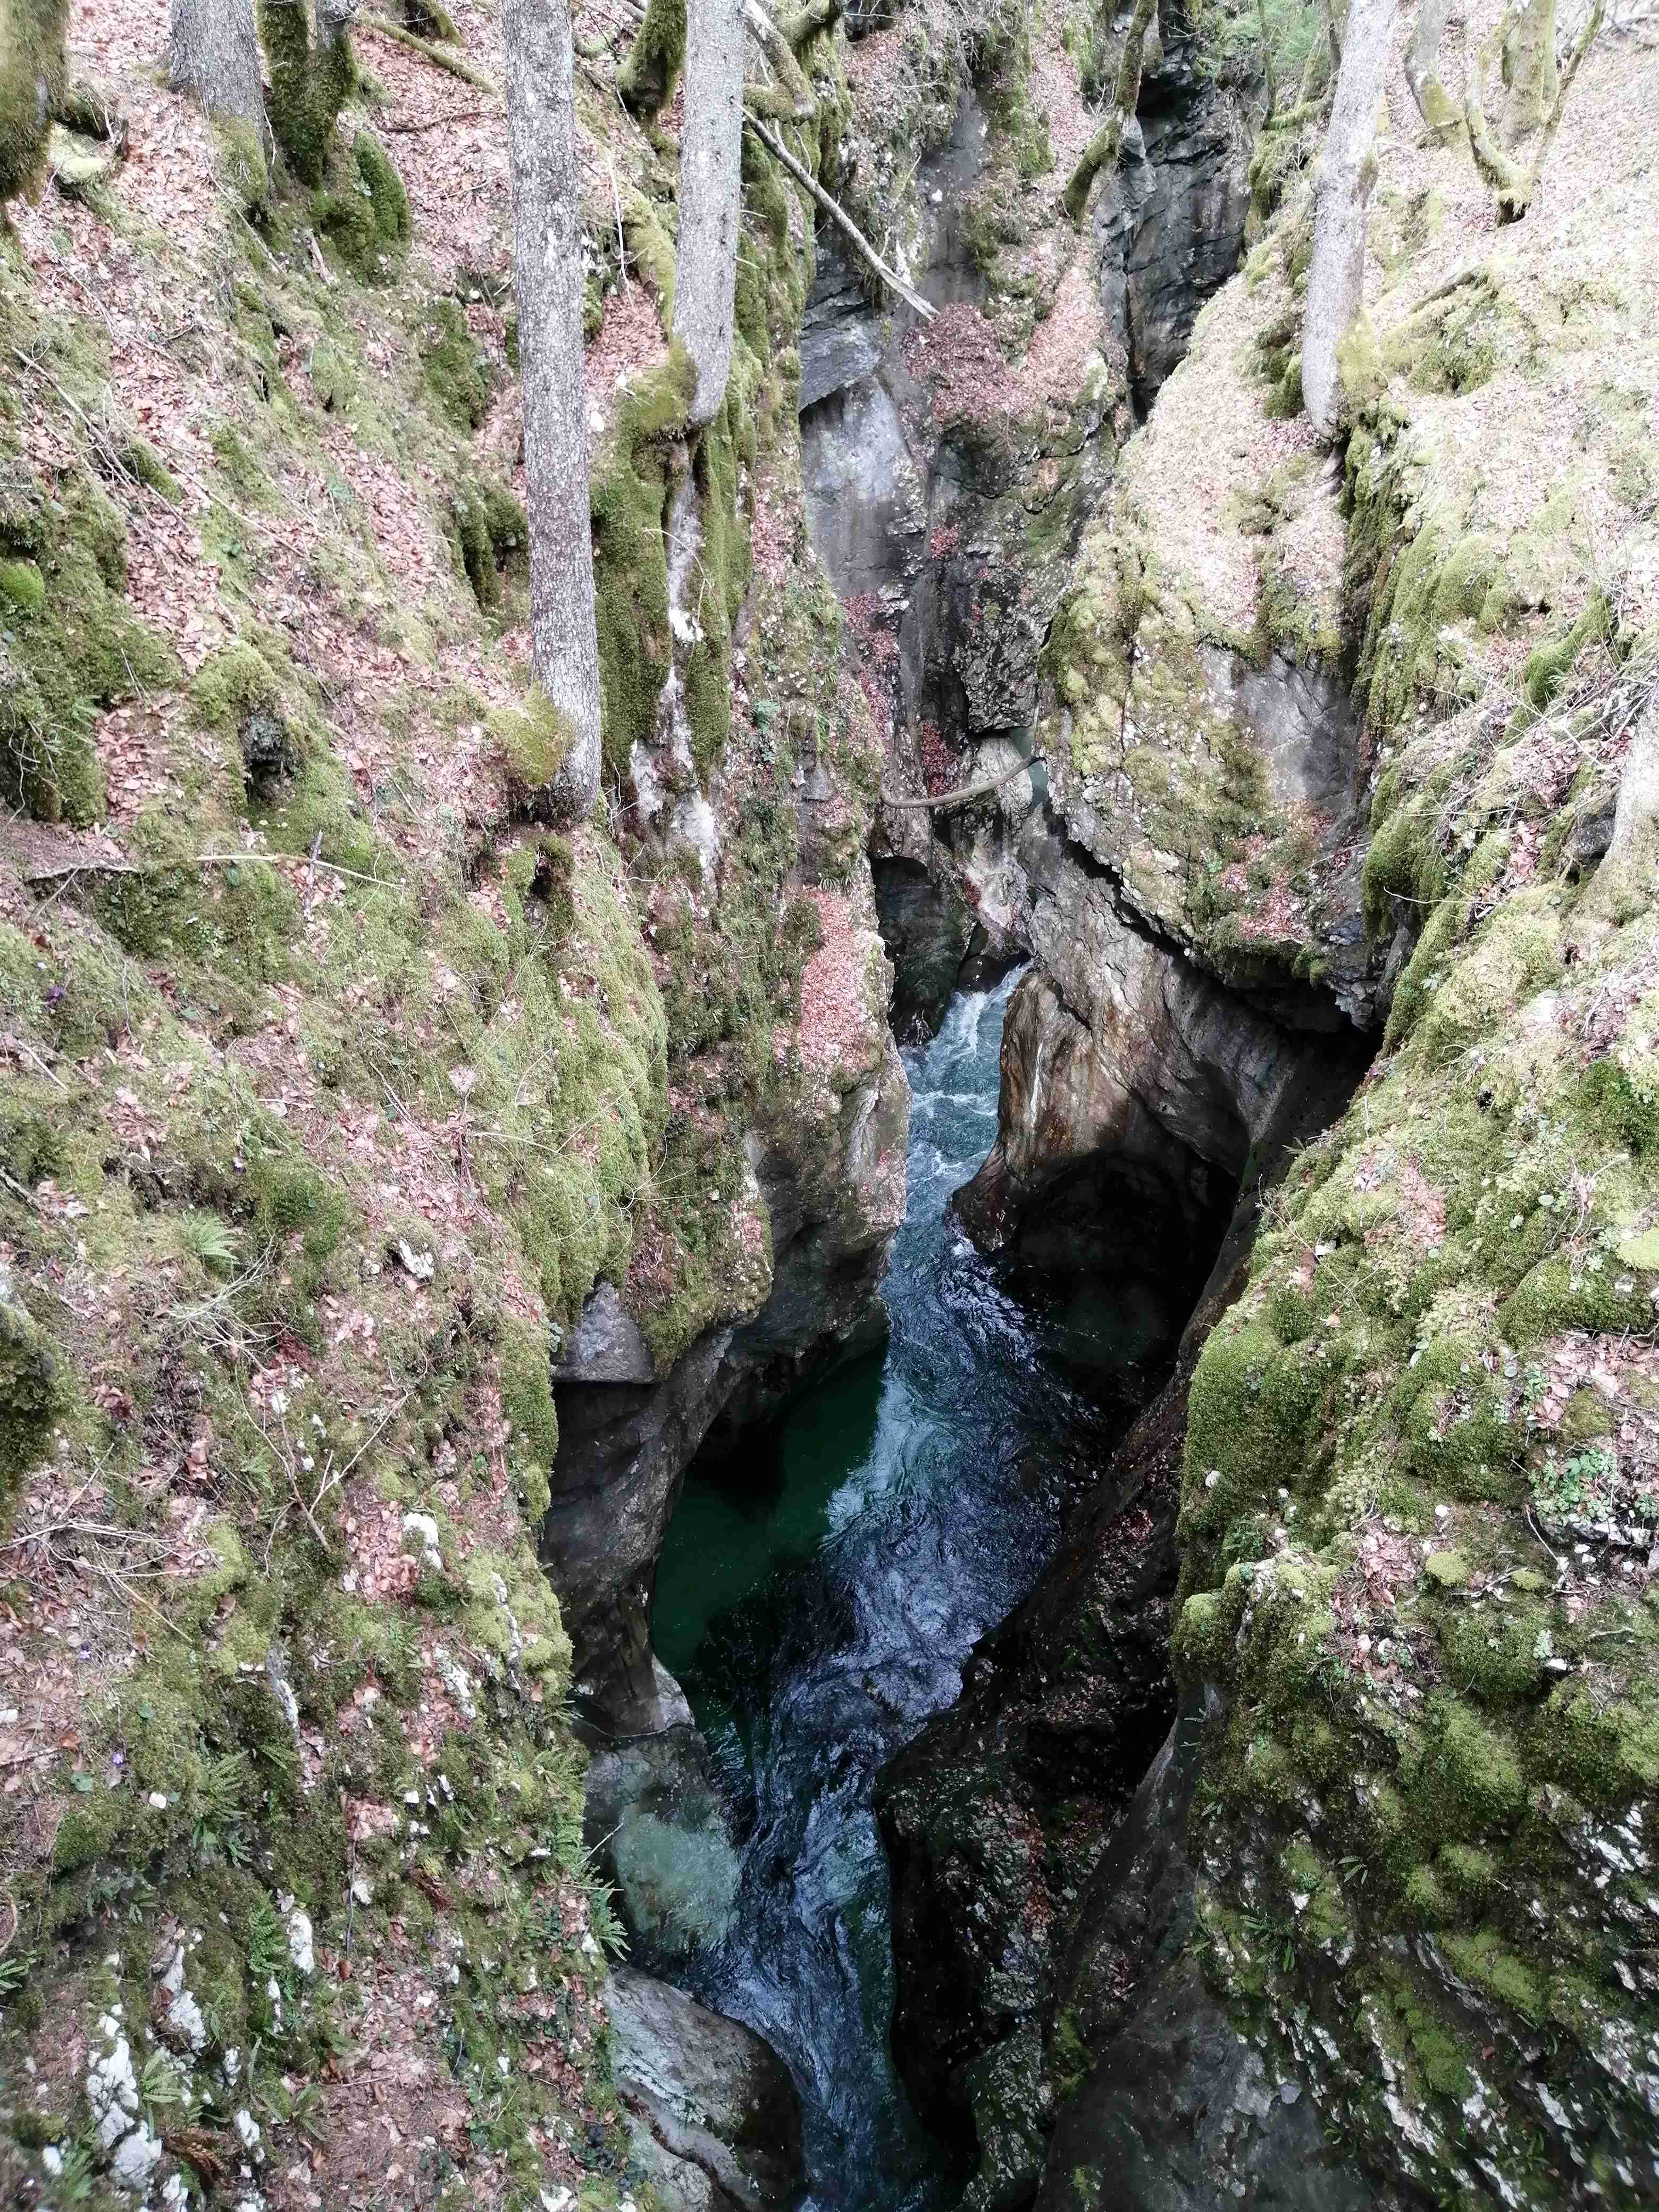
(547, 264)
(213, 54)
(1529, 67)
(1514, 183)
(711, 153)
(1269, 75)
(1342, 192)
(1333, 36)
(1434, 103)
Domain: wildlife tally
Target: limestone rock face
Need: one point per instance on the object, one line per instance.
(1135, 1086)
(606, 1344)
(1169, 223)
(715, 2118)
(624, 1450)
(1322, 726)
(950, 470)
(1174, 2111)
(833, 1194)
(930, 932)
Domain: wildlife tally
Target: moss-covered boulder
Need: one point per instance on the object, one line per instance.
(34, 72)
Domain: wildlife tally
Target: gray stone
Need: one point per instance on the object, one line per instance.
(1176, 2112)
(927, 927)
(660, 1829)
(1135, 1087)
(1168, 225)
(606, 1345)
(715, 2118)
(841, 339)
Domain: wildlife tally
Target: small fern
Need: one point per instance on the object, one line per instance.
(211, 1240)
(608, 1931)
(268, 1956)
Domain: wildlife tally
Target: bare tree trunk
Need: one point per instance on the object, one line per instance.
(547, 266)
(1270, 78)
(213, 54)
(1514, 184)
(1342, 192)
(711, 155)
(1529, 69)
(1434, 103)
(1331, 64)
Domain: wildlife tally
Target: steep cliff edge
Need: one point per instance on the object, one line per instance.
(336, 1090)
(1414, 1512)
(952, 467)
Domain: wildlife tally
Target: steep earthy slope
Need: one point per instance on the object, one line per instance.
(1416, 1496)
(333, 1084)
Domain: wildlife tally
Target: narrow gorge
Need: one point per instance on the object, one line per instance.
(918, 1467)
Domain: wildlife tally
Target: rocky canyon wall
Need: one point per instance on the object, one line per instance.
(1331, 733)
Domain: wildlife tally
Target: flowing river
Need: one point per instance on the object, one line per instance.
(820, 1592)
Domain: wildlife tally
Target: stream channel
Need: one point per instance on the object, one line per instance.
(821, 1588)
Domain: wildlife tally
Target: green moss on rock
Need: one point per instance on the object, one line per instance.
(310, 83)
(33, 74)
(454, 364)
(648, 77)
(365, 216)
(70, 648)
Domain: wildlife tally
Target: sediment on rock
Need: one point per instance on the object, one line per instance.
(716, 2119)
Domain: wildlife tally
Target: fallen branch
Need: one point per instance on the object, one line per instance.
(457, 64)
(102, 867)
(810, 184)
(968, 790)
(324, 273)
(19, 1190)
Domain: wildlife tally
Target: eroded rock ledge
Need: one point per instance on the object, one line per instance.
(1417, 1649)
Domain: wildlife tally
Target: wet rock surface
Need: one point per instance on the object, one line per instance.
(927, 929)
(835, 1196)
(660, 1826)
(995, 1816)
(1171, 2110)
(715, 2118)
(1168, 226)
(985, 1815)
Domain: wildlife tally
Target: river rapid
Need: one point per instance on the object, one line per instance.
(821, 1587)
